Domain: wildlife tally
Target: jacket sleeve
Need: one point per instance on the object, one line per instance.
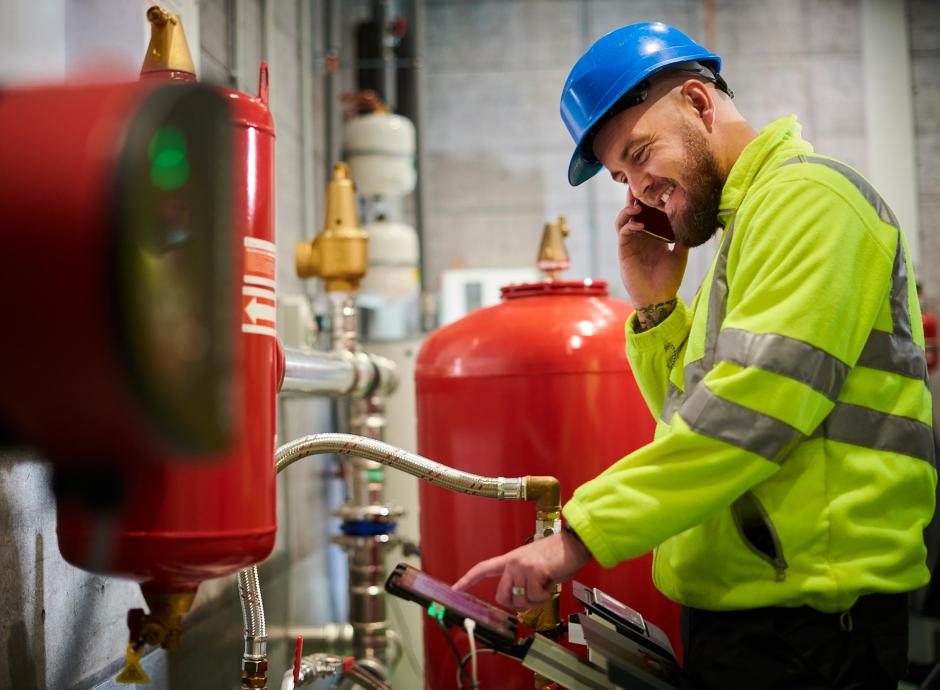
(653, 353)
(808, 275)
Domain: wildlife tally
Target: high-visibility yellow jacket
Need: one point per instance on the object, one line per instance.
(793, 461)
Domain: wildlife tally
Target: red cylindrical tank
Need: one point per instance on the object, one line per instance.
(538, 385)
(182, 524)
(931, 339)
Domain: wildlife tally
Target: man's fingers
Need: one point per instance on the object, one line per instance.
(503, 594)
(536, 591)
(625, 215)
(488, 568)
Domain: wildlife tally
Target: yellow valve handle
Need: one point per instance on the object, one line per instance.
(133, 672)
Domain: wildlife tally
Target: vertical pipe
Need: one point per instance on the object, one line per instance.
(332, 27)
(889, 112)
(418, 110)
(305, 77)
(708, 20)
(367, 606)
(365, 488)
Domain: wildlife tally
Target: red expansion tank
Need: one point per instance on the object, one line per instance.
(537, 385)
(181, 524)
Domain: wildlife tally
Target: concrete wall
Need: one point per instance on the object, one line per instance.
(499, 151)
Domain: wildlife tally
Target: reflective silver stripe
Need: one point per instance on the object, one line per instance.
(871, 196)
(788, 357)
(740, 426)
(717, 299)
(862, 426)
(692, 373)
(895, 354)
(900, 313)
(899, 354)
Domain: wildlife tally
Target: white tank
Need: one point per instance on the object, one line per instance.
(380, 149)
(390, 292)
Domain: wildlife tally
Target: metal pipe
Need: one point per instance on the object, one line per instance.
(338, 373)
(365, 500)
(543, 490)
(332, 638)
(410, 463)
(255, 655)
(313, 667)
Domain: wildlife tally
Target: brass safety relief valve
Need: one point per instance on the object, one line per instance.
(553, 254)
(339, 255)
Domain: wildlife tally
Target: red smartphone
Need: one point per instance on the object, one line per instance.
(655, 222)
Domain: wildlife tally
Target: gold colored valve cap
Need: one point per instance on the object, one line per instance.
(168, 50)
(341, 201)
(553, 254)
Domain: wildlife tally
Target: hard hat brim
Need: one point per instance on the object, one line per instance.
(581, 170)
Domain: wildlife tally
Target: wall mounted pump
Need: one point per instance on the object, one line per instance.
(116, 230)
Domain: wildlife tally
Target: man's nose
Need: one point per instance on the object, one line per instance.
(643, 190)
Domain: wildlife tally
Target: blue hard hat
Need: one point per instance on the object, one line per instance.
(615, 64)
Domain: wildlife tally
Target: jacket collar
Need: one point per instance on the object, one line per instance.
(755, 157)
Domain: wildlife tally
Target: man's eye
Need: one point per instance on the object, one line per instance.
(640, 155)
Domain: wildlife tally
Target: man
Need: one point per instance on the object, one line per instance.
(792, 473)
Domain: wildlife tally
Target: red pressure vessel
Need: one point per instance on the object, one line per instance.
(181, 524)
(537, 385)
(930, 339)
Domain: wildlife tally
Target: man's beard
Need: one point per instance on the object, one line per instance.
(702, 184)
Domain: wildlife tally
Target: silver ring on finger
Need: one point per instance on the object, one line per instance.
(518, 591)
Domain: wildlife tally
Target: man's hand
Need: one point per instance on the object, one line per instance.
(528, 574)
(651, 271)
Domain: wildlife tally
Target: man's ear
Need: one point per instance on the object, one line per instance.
(701, 100)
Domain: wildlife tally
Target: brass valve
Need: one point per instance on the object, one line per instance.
(339, 255)
(553, 254)
(163, 626)
(546, 492)
(168, 50)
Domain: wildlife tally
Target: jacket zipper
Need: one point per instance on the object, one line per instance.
(754, 526)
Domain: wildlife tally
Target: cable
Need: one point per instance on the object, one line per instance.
(470, 625)
(453, 649)
(407, 639)
(466, 658)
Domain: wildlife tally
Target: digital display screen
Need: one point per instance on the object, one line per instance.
(174, 276)
(466, 605)
(620, 609)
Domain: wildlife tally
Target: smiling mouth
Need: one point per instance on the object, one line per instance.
(664, 197)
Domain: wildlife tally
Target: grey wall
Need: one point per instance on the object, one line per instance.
(499, 152)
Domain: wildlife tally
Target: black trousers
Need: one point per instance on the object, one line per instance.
(798, 648)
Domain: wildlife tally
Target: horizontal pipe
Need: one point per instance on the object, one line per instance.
(338, 373)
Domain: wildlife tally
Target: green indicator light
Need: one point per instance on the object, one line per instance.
(171, 177)
(169, 167)
(169, 158)
(166, 138)
(436, 610)
(376, 475)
